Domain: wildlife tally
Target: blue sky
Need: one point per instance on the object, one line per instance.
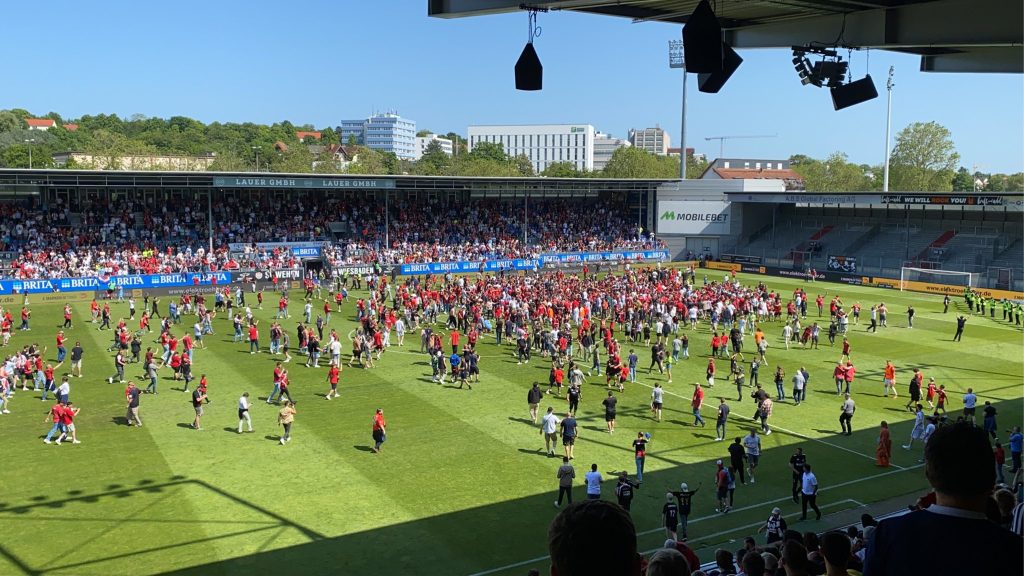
(318, 62)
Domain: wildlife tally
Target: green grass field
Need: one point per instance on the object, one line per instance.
(463, 485)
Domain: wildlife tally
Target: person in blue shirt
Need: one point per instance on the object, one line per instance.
(455, 360)
(632, 360)
(959, 465)
(1016, 447)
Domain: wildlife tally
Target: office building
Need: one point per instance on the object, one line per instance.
(654, 140)
(604, 146)
(543, 144)
(423, 141)
(385, 132)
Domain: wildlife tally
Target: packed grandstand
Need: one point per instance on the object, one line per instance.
(131, 237)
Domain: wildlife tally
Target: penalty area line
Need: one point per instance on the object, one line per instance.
(709, 517)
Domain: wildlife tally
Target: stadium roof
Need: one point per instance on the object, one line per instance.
(949, 35)
(25, 181)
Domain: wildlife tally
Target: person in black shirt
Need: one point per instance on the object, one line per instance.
(624, 490)
(640, 451)
(796, 463)
(76, 360)
(960, 322)
(737, 455)
(198, 397)
(574, 396)
(132, 394)
(684, 498)
(609, 411)
(670, 514)
(533, 398)
(569, 433)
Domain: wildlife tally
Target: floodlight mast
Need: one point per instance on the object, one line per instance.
(888, 127)
(677, 59)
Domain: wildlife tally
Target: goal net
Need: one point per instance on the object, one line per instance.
(935, 276)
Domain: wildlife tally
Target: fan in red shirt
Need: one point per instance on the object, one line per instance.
(254, 338)
(333, 376)
(453, 337)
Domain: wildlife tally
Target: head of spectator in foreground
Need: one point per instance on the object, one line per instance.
(668, 562)
(835, 547)
(960, 466)
(794, 559)
(724, 560)
(753, 564)
(593, 537)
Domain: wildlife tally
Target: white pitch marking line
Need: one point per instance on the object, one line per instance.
(744, 527)
(777, 500)
(792, 433)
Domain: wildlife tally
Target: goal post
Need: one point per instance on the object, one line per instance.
(950, 278)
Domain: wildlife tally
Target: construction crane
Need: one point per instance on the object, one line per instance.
(722, 139)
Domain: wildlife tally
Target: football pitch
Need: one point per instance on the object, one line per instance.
(463, 485)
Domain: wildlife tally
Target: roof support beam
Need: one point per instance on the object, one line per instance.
(1000, 60)
(944, 23)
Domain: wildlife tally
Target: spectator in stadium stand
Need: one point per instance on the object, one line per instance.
(836, 550)
(724, 564)
(593, 537)
(685, 550)
(794, 559)
(668, 562)
(960, 467)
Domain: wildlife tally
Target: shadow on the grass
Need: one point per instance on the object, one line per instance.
(422, 546)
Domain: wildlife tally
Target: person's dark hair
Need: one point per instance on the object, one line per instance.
(753, 564)
(811, 542)
(723, 558)
(835, 547)
(795, 556)
(668, 562)
(793, 535)
(959, 461)
(592, 537)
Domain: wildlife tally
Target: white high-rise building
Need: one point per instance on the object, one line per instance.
(604, 146)
(423, 141)
(654, 140)
(543, 144)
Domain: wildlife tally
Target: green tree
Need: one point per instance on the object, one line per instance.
(924, 159)
(434, 162)
(370, 162)
(111, 149)
(458, 143)
(695, 168)
(297, 159)
(352, 140)
(835, 174)
(1005, 182)
(230, 162)
(523, 166)
(489, 151)
(9, 122)
(561, 170)
(963, 181)
(632, 162)
(423, 133)
(17, 156)
(328, 136)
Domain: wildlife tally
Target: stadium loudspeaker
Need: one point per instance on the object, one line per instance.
(529, 71)
(853, 93)
(713, 82)
(702, 41)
